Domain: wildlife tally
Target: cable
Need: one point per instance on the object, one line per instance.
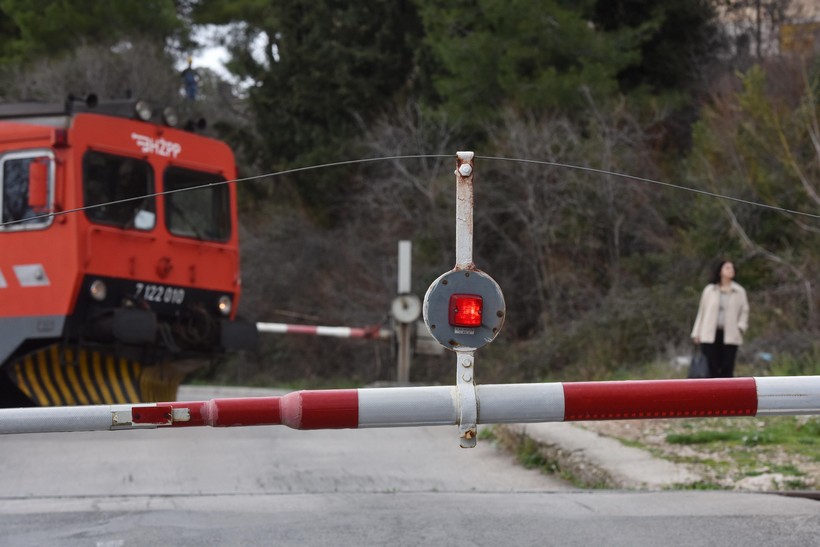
(652, 181)
(423, 156)
(221, 182)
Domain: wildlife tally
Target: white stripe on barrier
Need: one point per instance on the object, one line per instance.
(788, 395)
(407, 406)
(275, 328)
(520, 403)
(54, 420)
(338, 332)
(70, 418)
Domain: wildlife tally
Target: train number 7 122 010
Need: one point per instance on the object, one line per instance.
(160, 293)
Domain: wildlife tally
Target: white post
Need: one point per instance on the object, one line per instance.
(403, 331)
(405, 266)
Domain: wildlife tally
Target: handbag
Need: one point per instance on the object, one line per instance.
(698, 367)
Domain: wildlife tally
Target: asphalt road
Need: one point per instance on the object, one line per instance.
(276, 486)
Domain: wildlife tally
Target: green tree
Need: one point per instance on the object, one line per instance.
(327, 68)
(532, 56)
(33, 28)
(677, 38)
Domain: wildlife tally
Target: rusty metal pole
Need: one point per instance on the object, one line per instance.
(465, 358)
(464, 211)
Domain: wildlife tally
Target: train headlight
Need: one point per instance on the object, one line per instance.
(170, 116)
(224, 305)
(143, 110)
(98, 290)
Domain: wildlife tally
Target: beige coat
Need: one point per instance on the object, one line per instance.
(737, 315)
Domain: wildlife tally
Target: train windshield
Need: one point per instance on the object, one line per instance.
(194, 207)
(117, 191)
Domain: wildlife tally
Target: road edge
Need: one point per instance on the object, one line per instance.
(591, 460)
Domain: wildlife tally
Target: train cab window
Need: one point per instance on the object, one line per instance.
(26, 190)
(108, 179)
(201, 213)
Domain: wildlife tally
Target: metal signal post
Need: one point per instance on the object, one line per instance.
(464, 308)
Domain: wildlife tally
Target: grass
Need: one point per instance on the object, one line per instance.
(799, 435)
(728, 450)
(702, 437)
(532, 455)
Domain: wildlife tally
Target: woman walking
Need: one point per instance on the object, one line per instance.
(723, 317)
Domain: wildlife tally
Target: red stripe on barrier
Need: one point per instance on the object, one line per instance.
(324, 409)
(302, 329)
(244, 411)
(629, 400)
(161, 414)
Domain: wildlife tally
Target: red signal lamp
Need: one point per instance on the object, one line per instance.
(465, 310)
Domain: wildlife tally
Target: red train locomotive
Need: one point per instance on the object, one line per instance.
(119, 255)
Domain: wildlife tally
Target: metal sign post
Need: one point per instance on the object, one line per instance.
(405, 309)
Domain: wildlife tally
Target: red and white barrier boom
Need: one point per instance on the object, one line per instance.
(464, 310)
(439, 405)
(337, 332)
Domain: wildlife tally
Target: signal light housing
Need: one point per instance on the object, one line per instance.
(466, 310)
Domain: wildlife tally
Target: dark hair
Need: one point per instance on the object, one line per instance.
(716, 273)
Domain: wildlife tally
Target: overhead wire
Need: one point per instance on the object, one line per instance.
(422, 156)
(658, 182)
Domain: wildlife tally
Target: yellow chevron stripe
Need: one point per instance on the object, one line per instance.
(56, 366)
(43, 370)
(85, 374)
(111, 371)
(58, 375)
(39, 395)
(71, 372)
(130, 376)
(22, 385)
(100, 377)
